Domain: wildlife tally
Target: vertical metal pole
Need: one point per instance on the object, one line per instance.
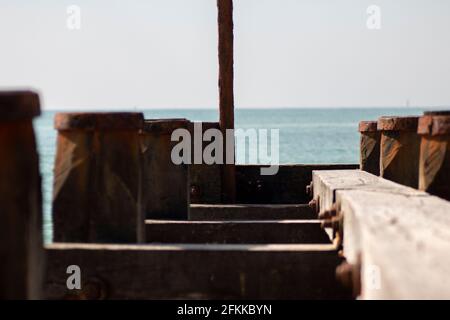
(226, 92)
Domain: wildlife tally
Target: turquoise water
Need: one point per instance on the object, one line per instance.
(311, 136)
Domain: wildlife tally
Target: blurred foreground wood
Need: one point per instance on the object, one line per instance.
(195, 272)
(21, 252)
(395, 239)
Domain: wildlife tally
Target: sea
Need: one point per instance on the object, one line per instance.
(306, 135)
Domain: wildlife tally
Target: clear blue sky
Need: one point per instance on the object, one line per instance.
(289, 53)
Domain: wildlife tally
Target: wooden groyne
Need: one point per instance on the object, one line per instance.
(131, 224)
(309, 232)
(100, 197)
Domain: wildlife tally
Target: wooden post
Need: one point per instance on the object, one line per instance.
(21, 249)
(97, 187)
(165, 184)
(434, 173)
(400, 150)
(370, 147)
(205, 179)
(226, 92)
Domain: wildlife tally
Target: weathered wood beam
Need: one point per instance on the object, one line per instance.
(251, 212)
(326, 183)
(395, 238)
(286, 187)
(21, 248)
(400, 150)
(195, 272)
(401, 240)
(165, 185)
(235, 232)
(434, 168)
(226, 93)
(205, 179)
(370, 147)
(97, 187)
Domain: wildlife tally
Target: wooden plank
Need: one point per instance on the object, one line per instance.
(288, 186)
(402, 241)
(196, 271)
(327, 182)
(21, 250)
(251, 212)
(233, 232)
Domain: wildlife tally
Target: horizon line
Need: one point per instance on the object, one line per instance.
(84, 109)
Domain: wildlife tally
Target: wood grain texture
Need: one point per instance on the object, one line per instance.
(402, 239)
(97, 187)
(235, 232)
(286, 187)
(328, 182)
(250, 212)
(199, 271)
(370, 144)
(399, 160)
(205, 180)
(165, 189)
(434, 172)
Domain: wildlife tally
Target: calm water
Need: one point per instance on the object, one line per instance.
(306, 136)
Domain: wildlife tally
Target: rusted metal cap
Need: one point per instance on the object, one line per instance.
(19, 105)
(162, 126)
(398, 123)
(368, 126)
(434, 125)
(99, 121)
(437, 113)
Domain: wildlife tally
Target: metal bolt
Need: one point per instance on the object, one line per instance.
(333, 223)
(350, 277)
(92, 289)
(309, 189)
(328, 214)
(195, 191)
(313, 205)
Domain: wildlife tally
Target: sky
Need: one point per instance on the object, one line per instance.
(288, 53)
